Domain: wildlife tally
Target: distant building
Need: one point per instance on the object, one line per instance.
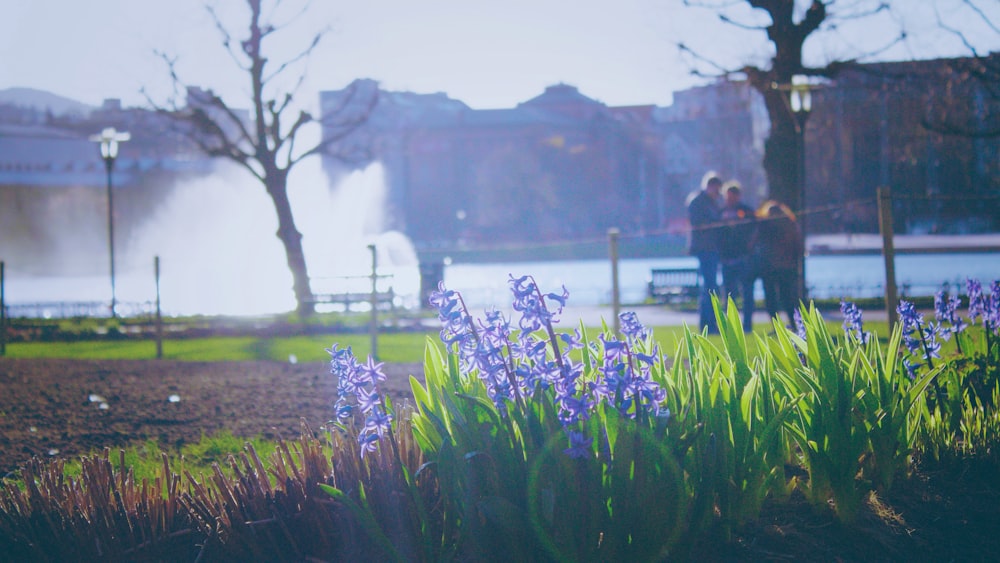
(929, 130)
(53, 202)
(560, 166)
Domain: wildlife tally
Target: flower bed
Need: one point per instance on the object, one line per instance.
(527, 444)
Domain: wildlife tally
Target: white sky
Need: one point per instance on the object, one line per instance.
(489, 54)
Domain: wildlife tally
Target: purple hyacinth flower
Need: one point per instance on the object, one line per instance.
(800, 325)
(631, 327)
(977, 303)
(852, 320)
(579, 446)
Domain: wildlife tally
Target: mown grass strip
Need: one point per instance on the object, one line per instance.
(399, 347)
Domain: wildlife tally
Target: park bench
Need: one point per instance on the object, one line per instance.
(383, 299)
(673, 285)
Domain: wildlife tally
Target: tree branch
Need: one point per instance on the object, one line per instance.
(972, 6)
(957, 33)
(336, 131)
(697, 56)
(726, 19)
(815, 16)
(227, 39)
(303, 55)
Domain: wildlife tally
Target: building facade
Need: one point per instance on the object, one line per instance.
(53, 183)
(558, 167)
(927, 130)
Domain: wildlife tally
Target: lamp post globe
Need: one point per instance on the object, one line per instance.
(108, 140)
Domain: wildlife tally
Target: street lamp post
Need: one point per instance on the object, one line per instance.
(109, 139)
(800, 102)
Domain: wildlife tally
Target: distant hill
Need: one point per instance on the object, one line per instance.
(42, 100)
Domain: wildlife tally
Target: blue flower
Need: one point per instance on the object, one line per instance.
(920, 339)
(559, 298)
(572, 341)
(356, 391)
(527, 366)
(574, 408)
(613, 348)
(368, 442)
(977, 303)
(631, 327)
(579, 446)
(368, 400)
(372, 371)
(991, 314)
(933, 346)
(911, 321)
(456, 322)
(530, 302)
(946, 311)
(908, 314)
(852, 321)
(344, 411)
(379, 423)
(800, 325)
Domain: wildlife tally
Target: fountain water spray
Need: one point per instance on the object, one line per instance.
(220, 256)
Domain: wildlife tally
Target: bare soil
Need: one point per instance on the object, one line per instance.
(54, 407)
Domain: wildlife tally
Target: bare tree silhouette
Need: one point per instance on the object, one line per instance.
(264, 142)
(981, 70)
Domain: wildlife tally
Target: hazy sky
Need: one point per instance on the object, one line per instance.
(489, 54)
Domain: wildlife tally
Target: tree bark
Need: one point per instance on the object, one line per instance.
(291, 239)
(782, 150)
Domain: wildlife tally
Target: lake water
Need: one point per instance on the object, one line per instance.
(589, 281)
(483, 285)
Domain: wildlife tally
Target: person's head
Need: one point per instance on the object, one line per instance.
(733, 193)
(771, 209)
(712, 184)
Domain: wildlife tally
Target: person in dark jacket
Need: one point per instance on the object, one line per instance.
(780, 248)
(704, 214)
(736, 250)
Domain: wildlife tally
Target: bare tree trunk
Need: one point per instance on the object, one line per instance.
(291, 239)
(781, 153)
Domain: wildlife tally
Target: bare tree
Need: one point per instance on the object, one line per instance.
(980, 71)
(264, 142)
(787, 32)
(790, 25)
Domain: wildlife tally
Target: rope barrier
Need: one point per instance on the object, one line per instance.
(600, 240)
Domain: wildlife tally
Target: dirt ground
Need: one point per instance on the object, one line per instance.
(70, 407)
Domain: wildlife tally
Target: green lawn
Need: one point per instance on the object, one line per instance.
(396, 347)
(404, 347)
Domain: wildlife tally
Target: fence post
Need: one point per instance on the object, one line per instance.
(3, 313)
(159, 316)
(615, 297)
(373, 329)
(888, 252)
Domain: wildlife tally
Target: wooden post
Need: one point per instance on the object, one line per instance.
(888, 252)
(803, 212)
(373, 329)
(159, 316)
(615, 298)
(3, 314)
